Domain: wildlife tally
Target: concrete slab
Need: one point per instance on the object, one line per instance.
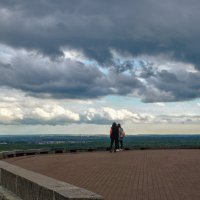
(19, 152)
(31, 186)
(127, 175)
(31, 151)
(8, 154)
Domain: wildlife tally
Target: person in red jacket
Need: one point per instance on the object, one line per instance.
(114, 136)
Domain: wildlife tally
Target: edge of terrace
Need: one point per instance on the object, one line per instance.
(28, 152)
(29, 185)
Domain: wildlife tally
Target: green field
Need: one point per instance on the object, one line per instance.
(97, 142)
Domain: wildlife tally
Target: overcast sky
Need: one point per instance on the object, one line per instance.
(76, 66)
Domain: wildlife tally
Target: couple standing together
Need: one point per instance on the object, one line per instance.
(116, 135)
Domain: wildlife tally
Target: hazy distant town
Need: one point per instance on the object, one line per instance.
(102, 142)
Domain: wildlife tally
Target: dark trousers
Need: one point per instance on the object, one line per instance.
(121, 144)
(112, 140)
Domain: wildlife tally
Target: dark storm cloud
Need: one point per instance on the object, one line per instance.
(122, 67)
(137, 27)
(131, 27)
(166, 86)
(153, 84)
(72, 80)
(63, 78)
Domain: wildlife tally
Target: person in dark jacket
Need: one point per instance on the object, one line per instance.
(114, 135)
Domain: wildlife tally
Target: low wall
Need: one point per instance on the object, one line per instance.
(17, 153)
(28, 185)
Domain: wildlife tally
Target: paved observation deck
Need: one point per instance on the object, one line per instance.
(127, 175)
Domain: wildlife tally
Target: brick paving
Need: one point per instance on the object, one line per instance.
(127, 175)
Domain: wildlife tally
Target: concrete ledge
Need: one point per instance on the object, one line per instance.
(57, 150)
(19, 153)
(7, 154)
(28, 185)
(28, 152)
(31, 152)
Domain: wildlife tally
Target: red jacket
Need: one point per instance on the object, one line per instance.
(114, 132)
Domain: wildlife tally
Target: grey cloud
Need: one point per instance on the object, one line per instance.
(166, 86)
(178, 118)
(64, 78)
(137, 27)
(153, 84)
(148, 70)
(125, 84)
(73, 80)
(148, 27)
(6, 66)
(183, 86)
(119, 67)
(39, 121)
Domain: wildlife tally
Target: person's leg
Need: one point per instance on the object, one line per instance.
(116, 144)
(111, 143)
(121, 144)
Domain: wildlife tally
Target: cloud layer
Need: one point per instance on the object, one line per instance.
(149, 78)
(36, 36)
(138, 27)
(18, 109)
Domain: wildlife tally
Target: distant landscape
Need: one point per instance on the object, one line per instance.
(97, 142)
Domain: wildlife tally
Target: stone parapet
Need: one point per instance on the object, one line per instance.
(16, 153)
(28, 185)
(7, 195)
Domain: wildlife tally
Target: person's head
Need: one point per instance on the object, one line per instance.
(114, 124)
(119, 125)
